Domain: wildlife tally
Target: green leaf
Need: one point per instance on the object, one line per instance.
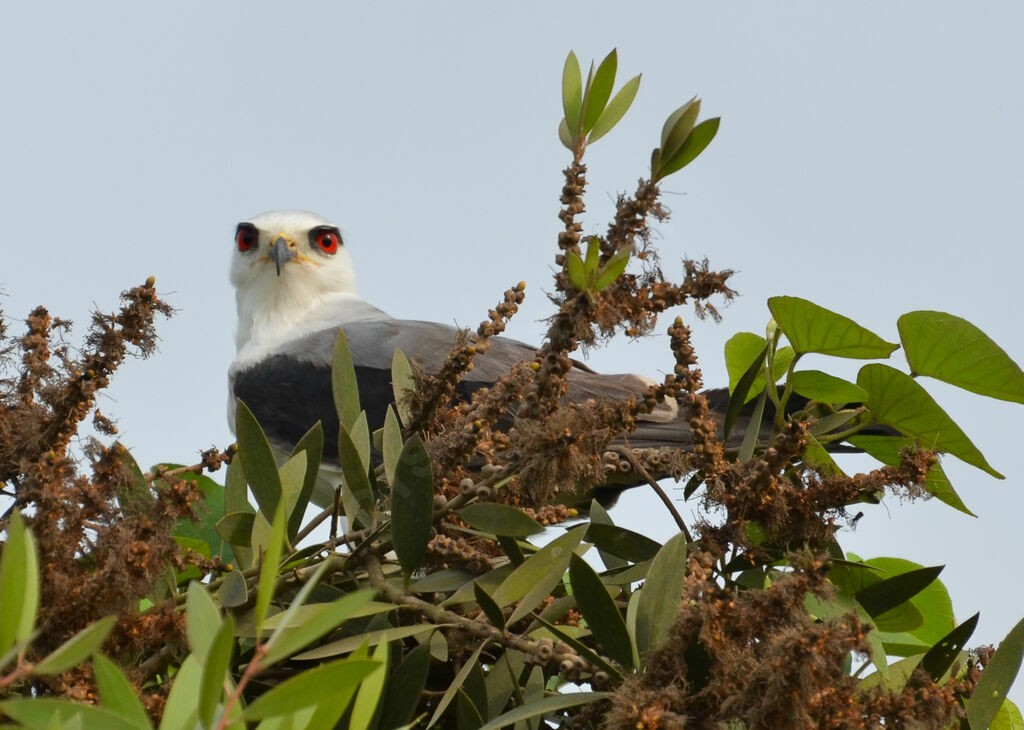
(953, 350)
(940, 657)
(891, 592)
(613, 269)
(269, 563)
(404, 688)
(453, 688)
(19, 584)
(500, 519)
(391, 444)
(180, 712)
(577, 272)
(600, 90)
(233, 592)
(898, 400)
(370, 690)
(810, 328)
(695, 143)
(76, 650)
(997, 678)
(312, 443)
(491, 609)
(544, 706)
(678, 127)
(330, 616)
(621, 542)
(356, 491)
(343, 382)
(749, 369)
(753, 431)
(533, 581)
(257, 459)
(412, 504)
(572, 94)
(372, 638)
(322, 684)
(402, 384)
(1008, 718)
(660, 595)
(236, 528)
(615, 110)
(826, 388)
(117, 693)
(599, 516)
(599, 609)
(137, 490)
(565, 136)
(215, 668)
(202, 619)
(44, 712)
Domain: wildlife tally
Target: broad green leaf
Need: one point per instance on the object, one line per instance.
(500, 519)
(330, 616)
(215, 668)
(695, 143)
(44, 712)
(324, 683)
(577, 273)
(565, 136)
(1007, 718)
(534, 580)
(402, 384)
(600, 90)
(891, 592)
(412, 504)
(615, 110)
(269, 563)
(19, 584)
(236, 528)
(660, 595)
(391, 444)
(180, 712)
(826, 388)
(678, 127)
(356, 492)
(613, 268)
(940, 657)
(404, 688)
(77, 649)
(816, 456)
(257, 460)
(293, 474)
(344, 385)
(903, 618)
(840, 605)
(621, 542)
(202, 619)
(460, 677)
(117, 693)
(370, 690)
(543, 707)
(593, 255)
(572, 94)
(137, 490)
(312, 443)
(811, 328)
(953, 350)
(599, 609)
(893, 680)
(233, 592)
(204, 529)
(896, 399)
(503, 680)
(995, 682)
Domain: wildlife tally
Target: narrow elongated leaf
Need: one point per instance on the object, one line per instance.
(660, 595)
(404, 688)
(896, 399)
(117, 693)
(257, 460)
(572, 93)
(292, 473)
(44, 712)
(312, 443)
(391, 444)
(236, 528)
(537, 577)
(612, 269)
(753, 432)
(180, 712)
(371, 638)
(402, 384)
(811, 328)
(356, 491)
(312, 628)
(370, 690)
(311, 687)
(600, 90)
(215, 668)
(488, 606)
(500, 519)
(746, 379)
(202, 619)
(565, 136)
(615, 110)
(75, 650)
(952, 349)
(268, 568)
(576, 271)
(997, 678)
(826, 388)
(621, 542)
(412, 504)
(678, 127)
(344, 385)
(599, 516)
(449, 694)
(891, 592)
(940, 657)
(543, 707)
(599, 609)
(19, 584)
(695, 143)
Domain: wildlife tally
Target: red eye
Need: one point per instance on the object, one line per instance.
(245, 238)
(327, 241)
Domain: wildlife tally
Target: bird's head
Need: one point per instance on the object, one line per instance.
(285, 264)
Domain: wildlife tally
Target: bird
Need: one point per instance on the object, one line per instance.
(295, 287)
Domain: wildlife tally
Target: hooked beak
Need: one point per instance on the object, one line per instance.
(281, 253)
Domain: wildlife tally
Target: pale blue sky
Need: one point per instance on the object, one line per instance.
(869, 159)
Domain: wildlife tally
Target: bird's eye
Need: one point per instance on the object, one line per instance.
(245, 238)
(327, 241)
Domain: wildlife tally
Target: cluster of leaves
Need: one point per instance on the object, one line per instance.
(437, 598)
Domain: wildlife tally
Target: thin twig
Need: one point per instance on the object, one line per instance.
(657, 489)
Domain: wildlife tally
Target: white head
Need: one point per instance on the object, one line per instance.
(285, 266)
